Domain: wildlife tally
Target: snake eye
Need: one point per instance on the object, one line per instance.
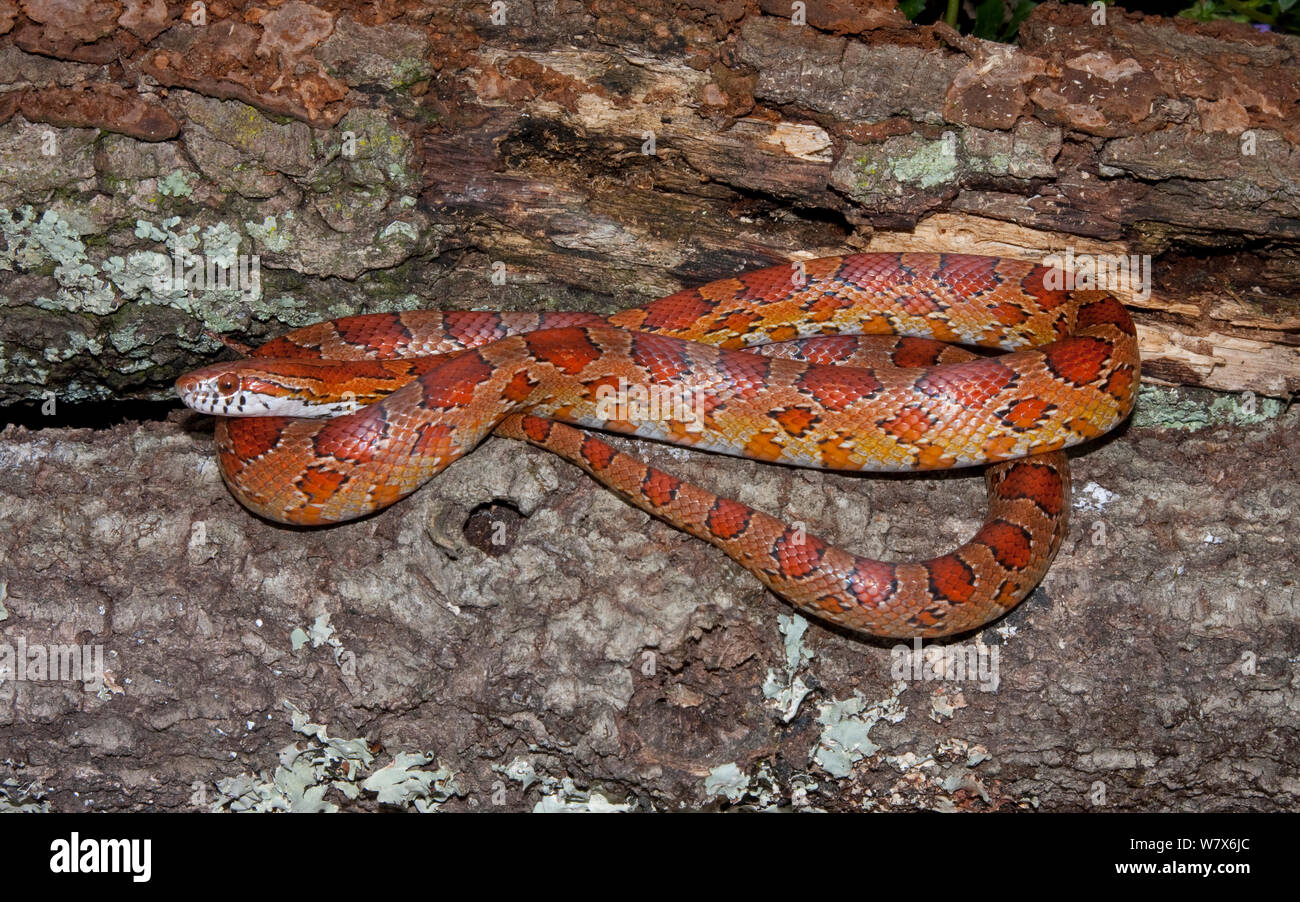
(227, 383)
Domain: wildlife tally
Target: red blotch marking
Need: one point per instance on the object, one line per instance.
(1038, 483)
(1025, 414)
(798, 554)
(562, 318)
(910, 424)
(452, 383)
(1108, 311)
(919, 303)
(251, 437)
(920, 267)
(434, 440)
(362, 369)
(748, 373)
(1032, 284)
(1009, 543)
(284, 348)
(827, 350)
(951, 579)
(1120, 384)
(968, 384)
(1009, 313)
(838, 387)
(837, 451)
(871, 271)
(536, 428)
(675, 312)
(607, 390)
(1078, 361)
(761, 446)
(471, 328)
(319, 484)
(355, 437)
(771, 283)
(519, 387)
(720, 290)
(229, 462)
(659, 487)
(728, 519)
(916, 352)
(382, 333)
(795, 420)
(925, 620)
(738, 322)
(968, 273)
(872, 582)
(1007, 593)
(597, 453)
(569, 350)
(823, 307)
(663, 359)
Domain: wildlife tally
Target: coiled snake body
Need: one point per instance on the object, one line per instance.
(909, 404)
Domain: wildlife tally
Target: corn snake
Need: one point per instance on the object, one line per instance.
(530, 376)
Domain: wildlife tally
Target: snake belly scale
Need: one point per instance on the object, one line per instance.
(786, 367)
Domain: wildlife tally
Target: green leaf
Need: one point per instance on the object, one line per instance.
(1018, 15)
(988, 19)
(912, 8)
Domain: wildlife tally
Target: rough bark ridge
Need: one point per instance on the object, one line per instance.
(547, 644)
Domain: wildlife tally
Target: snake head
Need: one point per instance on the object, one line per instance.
(251, 388)
(222, 390)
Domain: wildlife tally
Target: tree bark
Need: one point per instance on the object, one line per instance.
(593, 156)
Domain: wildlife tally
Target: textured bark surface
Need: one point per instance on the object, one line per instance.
(549, 645)
(1153, 670)
(605, 154)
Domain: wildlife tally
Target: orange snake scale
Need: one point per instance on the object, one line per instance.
(438, 382)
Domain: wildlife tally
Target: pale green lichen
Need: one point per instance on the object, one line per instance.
(126, 338)
(764, 791)
(221, 244)
(410, 69)
(216, 285)
(274, 236)
(402, 782)
(726, 780)
(249, 126)
(177, 184)
(566, 796)
(1173, 408)
(846, 735)
(557, 795)
(140, 276)
(382, 153)
(521, 771)
(31, 245)
(321, 632)
(77, 343)
(932, 163)
(18, 797)
(995, 164)
(306, 774)
(788, 692)
(402, 229)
